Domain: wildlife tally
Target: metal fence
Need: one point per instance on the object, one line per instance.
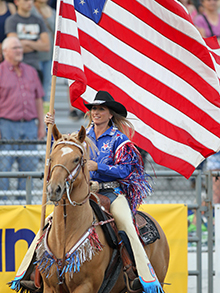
(21, 159)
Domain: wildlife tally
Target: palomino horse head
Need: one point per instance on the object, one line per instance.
(67, 163)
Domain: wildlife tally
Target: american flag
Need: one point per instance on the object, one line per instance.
(150, 57)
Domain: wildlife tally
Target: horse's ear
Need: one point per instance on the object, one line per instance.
(56, 133)
(82, 134)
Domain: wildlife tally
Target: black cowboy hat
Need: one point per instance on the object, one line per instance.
(105, 99)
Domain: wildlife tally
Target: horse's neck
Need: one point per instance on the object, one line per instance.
(70, 227)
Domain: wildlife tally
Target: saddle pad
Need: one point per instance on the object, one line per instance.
(148, 230)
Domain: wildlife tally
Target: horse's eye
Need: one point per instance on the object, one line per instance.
(76, 160)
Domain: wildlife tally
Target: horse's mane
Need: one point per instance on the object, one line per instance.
(87, 144)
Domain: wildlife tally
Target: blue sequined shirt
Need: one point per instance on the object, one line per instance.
(107, 144)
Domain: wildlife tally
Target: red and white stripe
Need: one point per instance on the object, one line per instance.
(150, 57)
(67, 59)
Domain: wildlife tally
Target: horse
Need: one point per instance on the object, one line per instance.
(78, 253)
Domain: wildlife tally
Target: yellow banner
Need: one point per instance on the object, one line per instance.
(173, 220)
(19, 224)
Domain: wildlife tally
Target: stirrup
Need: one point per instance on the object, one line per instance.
(133, 286)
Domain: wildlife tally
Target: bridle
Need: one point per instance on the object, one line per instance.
(72, 176)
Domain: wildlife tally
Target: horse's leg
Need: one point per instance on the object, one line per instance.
(159, 258)
(120, 284)
(47, 289)
(50, 284)
(84, 288)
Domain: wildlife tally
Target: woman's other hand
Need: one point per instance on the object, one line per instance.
(92, 165)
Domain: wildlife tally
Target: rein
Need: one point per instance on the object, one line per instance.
(61, 263)
(74, 203)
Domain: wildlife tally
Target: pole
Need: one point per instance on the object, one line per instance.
(46, 167)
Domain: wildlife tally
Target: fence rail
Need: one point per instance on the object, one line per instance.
(28, 192)
(12, 170)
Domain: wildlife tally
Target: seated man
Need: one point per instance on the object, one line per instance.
(21, 104)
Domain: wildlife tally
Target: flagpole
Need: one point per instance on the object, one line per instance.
(46, 167)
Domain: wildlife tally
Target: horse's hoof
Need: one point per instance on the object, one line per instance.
(29, 285)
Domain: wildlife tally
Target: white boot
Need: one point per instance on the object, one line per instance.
(122, 214)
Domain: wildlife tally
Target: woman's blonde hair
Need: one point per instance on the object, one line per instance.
(122, 123)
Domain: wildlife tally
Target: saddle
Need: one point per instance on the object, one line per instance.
(146, 230)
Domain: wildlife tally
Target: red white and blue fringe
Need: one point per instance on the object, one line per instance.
(88, 245)
(82, 251)
(136, 185)
(151, 287)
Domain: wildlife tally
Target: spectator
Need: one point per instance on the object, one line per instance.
(190, 8)
(213, 164)
(192, 217)
(44, 11)
(21, 104)
(198, 5)
(192, 229)
(31, 31)
(53, 4)
(208, 23)
(6, 9)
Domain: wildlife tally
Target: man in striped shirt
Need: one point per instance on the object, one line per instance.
(21, 107)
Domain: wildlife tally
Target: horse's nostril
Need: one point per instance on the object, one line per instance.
(58, 190)
(54, 192)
